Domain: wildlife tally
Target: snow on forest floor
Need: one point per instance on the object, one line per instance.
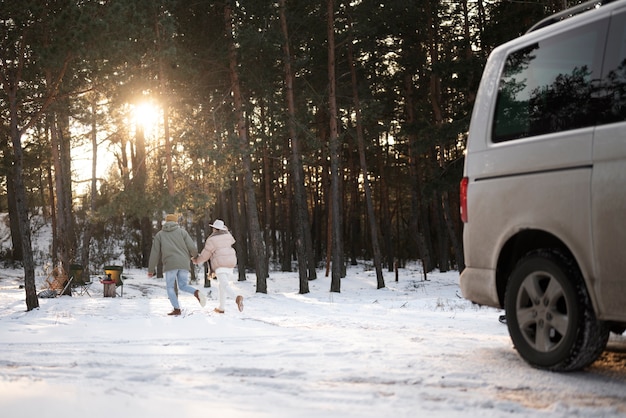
(414, 348)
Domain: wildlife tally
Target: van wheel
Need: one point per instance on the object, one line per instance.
(549, 314)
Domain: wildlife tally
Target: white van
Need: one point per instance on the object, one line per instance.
(544, 188)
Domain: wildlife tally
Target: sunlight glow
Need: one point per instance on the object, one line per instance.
(147, 115)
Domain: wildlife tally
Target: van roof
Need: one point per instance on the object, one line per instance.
(565, 14)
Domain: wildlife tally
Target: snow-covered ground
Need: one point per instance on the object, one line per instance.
(414, 348)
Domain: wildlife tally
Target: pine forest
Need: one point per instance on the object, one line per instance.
(322, 132)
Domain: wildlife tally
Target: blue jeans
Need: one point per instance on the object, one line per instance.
(183, 285)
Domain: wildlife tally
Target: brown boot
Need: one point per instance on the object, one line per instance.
(218, 310)
(239, 302)
(175, 312)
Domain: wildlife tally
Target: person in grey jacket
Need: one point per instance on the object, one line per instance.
(218, 248)
(173, 246)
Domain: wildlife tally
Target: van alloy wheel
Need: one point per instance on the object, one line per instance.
(549, 314)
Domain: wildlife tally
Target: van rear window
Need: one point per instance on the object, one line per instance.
(547, 87)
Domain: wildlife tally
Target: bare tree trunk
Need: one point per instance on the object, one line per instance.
(171, 187)
(60, 153)
(287, 238)
(236, 226)
(456, 244)
(337, 248)
(256, 236)
(164, 98)
(53, 216)
(14, 225)
(435, 94)
(371, 216)
(304, 246)
(32, 302)
(11, 82)
(138, 185)
(385, 208)
(354, 243)
(90, 219)
(60, 230)
(66, 165)
(415, 182)
(243, 224)
(443, 246)
(268, 201)
(329, 234)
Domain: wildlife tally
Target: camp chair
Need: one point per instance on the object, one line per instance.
(77, 276)
(57, 282)
(114, 273)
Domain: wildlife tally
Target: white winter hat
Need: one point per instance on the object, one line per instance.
(219, 224)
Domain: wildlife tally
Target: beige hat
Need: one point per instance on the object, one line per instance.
(171, 217)
(219, 224)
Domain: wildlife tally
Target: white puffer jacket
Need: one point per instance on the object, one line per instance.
(218, 248)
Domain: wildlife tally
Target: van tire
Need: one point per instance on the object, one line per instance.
(549, 313)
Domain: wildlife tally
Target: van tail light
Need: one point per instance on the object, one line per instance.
(463, 198)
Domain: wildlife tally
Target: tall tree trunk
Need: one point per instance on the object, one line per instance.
(337, 244)
(138, 187)
(66, 163)
(171, 187)
(61, 160)
(415, 181)
(435, 95)
(90, 226)
(53, 215)
(304, 246)
(243, 224)
(329, 234)
(317, 224)
(288, 222)
(371, 216)
(32, 302)
(267, 203)
(11, 81)
(471, 91)
(236, 226)
(456, 244)
(256, 236)
(17, 253)
(385, 207)
(354, 213)
(164, 99)
(442, 234)
(64, 231)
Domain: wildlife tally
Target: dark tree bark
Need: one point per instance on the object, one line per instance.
(138, 187)
(456, 244)
(17, 253)
(237, 229)
(337, 229)
(91, 221)
(304, 246)
(12, 66)
(256, 236)
(414, 174)
(371, 216)
(32, 302)
(386, 225)
(61, 159)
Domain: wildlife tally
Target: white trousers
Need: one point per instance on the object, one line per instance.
(223, 280)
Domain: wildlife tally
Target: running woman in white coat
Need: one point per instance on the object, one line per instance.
(218, 248)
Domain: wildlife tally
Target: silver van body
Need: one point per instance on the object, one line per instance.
(545, 169)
